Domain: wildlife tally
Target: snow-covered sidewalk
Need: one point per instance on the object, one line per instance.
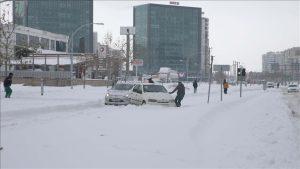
(72, 128)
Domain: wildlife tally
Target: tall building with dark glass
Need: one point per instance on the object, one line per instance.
(59, 16)
(168, 36)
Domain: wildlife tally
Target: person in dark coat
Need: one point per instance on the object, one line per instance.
(150, 80)
(195, 85)
(180, 93)
(7, 83)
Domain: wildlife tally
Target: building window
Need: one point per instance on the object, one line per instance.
(44, 43)
(60, 46)
(52, 46)
(21, 39)
(34, 41)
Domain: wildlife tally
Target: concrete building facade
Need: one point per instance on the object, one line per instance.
(286, 63)
(205, 50)
(44, 41)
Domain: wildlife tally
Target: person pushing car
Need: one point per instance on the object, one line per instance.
(180, 93)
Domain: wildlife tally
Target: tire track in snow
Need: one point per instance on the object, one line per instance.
(9, 117)
(209, 116)
(254, 138)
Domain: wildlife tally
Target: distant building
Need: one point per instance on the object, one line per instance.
(292, 61)
(59, 16)
(271, 62)
(44, 41)
(205, 51)
(286, 63)
(168, 36)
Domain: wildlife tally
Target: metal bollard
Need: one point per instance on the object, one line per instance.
(42, 86)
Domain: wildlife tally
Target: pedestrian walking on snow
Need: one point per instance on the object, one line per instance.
(180, 93)
(225, 86)
(195, 85)
(7, 83)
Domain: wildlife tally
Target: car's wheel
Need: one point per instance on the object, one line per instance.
(143, 102)
(105, 103)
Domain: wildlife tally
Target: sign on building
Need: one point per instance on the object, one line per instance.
(181, 74)
(127, 30)
(137, 62)
(174, 3)
(221, 68)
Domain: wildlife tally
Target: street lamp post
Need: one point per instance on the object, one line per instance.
(72, 51)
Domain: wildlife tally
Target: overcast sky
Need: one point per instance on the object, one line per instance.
(239, 30)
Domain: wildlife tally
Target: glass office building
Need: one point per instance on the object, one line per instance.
(59, 16)
(168, 36)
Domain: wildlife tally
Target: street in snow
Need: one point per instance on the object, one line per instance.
(72, 128)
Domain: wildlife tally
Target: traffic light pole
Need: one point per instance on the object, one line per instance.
(221, 85)
(127, 54)
(241, 77)
(240, 88)
(210, 76)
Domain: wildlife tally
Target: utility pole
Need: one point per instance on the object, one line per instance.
(127, 53)
(210, 77)
(187, 69)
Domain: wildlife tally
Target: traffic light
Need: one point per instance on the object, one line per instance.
(244, 72)
(239, 72)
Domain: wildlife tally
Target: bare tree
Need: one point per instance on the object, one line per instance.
(7, 29)
(108, 39)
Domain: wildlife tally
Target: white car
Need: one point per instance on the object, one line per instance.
(293, 88)
(118, 94)
(150, 93)
(270, 85)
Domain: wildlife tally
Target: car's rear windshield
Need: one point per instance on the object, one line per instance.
(123, 86)
(154, 88)
(292, 85)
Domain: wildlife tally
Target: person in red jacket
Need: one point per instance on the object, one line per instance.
(225, 86)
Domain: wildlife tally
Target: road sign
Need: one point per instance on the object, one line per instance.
(181, 74)
(137, 62)
(221, 68)
(127, 30)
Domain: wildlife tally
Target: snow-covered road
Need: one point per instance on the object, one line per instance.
(72, 128)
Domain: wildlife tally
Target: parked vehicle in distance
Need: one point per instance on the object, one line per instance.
(270, 85)
(150, 93)
(293, 88)
(166, 74)
(118, 94)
